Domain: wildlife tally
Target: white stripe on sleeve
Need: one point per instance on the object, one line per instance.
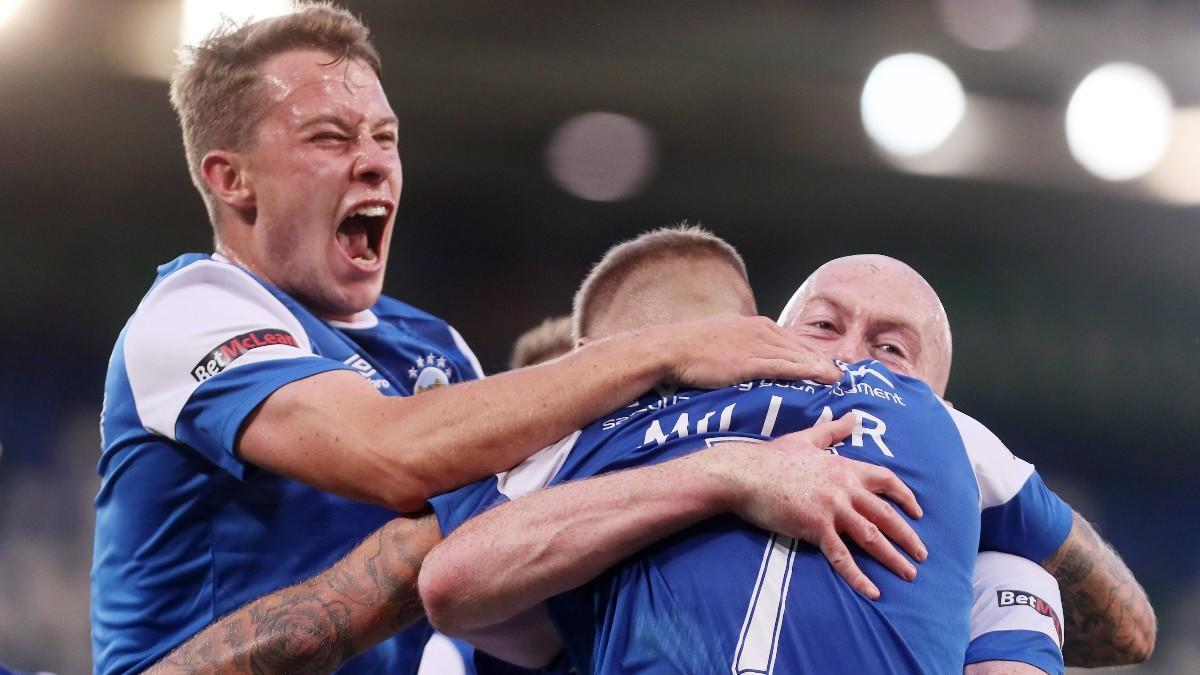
(1000, 473)
(182, 320)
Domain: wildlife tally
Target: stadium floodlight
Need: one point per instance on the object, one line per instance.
(601, 156)
(911, 103)
(1119, 121)
(7, 9)
(200, 17)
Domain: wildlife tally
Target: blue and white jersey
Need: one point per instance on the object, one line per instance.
(725, 597)
(185, 530)
(1016, 615)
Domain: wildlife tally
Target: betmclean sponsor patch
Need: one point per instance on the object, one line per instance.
(1021, 598)
(227, 352)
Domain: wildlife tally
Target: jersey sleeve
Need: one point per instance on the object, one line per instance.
(206, 346)
(1019, 514)
(1016, 614)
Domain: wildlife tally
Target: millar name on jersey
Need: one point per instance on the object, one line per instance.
(724, 596)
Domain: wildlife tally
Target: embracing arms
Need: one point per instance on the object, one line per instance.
(556, 539)
(335, 432)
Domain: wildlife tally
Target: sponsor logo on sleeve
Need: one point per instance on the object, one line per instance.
(1009, 598)
(230, 350)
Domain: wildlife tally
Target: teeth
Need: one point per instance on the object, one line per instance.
(368, 257)
(372, 211)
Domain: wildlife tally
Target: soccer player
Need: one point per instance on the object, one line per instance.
(677, 593)
(859, 306)
(547, 341)
(259, 418)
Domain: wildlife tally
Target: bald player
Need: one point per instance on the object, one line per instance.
(912, 335)
(873, 306)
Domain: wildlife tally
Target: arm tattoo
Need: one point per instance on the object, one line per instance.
(1108, 618)
(318, 624)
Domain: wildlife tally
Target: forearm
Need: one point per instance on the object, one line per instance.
(318, 624)
(1108, 618)
(456, 435)
(557, 539)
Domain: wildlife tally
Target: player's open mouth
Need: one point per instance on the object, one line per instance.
(360, 235)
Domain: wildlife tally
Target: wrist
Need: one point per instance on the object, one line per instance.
(717, 485)
(646, 354)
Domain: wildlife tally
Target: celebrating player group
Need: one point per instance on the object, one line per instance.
(300, 474)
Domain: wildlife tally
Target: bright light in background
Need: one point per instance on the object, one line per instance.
(1119, 121)
(7, 9)
(200, 17)
(1177, 177)
(911, 103)
(987, 24)
(601, 156)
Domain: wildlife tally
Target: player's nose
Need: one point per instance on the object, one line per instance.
(853, 349)
(375, 164)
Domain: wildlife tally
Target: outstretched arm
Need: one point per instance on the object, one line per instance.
(335, 432)
(1108, 618)
(318, 624)
(505, 562)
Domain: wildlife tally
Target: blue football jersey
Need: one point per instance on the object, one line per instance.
(725, 597)
(185, 530)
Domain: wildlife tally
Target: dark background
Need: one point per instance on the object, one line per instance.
(1073, 301)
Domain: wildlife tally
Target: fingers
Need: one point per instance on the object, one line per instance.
(884, 517)
(871, 540)
(884, 482)
(835, 551)
(825, 434)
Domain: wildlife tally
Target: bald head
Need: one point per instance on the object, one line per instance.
(873, 306)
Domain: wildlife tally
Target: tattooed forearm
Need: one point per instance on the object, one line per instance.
(318, 624)
(1109, 620)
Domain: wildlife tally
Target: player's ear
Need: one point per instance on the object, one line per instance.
(225, 174)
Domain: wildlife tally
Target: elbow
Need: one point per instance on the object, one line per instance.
(1142, 644)
(439, 592)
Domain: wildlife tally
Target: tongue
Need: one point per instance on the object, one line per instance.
(352, 235)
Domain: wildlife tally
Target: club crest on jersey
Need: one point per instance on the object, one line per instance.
(1009, 598)
(430, 372)
(219, 358)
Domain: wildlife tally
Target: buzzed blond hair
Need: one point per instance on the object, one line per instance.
(217, 90)
(549, 339)
(683, 240)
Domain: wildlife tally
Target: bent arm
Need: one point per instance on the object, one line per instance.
(335, 432)
(513, 557)
(1108, 618)
(317, 625)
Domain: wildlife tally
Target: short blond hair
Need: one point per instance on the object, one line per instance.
(602, 282)
(217, 91)
(549, 339)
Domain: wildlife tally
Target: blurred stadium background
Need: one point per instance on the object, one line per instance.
(536, 134)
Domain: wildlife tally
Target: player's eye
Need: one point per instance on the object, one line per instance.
(329, 137)
(891, 349)
(386, 138)
(822, 324)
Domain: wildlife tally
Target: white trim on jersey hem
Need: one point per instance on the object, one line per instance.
(538, 470)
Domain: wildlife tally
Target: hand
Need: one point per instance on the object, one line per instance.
(728, 349)
(792, 486)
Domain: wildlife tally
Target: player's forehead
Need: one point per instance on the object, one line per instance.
(873, 288)
(303, 85)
